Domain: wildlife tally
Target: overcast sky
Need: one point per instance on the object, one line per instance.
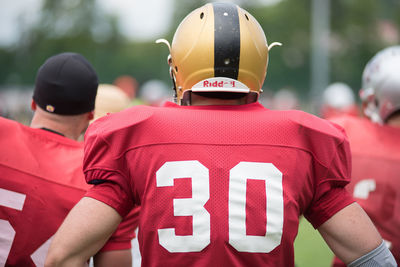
(157, 15)
(141, 19)
(10, 11)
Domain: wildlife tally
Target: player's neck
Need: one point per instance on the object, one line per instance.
(394, 121)
(197, 100)
(67, 129)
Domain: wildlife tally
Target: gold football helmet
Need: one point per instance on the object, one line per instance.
(218, 47)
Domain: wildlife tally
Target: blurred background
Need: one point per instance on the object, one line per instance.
(323, 41)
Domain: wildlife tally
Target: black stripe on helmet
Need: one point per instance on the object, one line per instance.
(226, 40)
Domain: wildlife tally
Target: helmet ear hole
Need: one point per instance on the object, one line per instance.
(202, 15)
(176, 68)
(246, 16)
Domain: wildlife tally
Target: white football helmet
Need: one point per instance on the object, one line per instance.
(338, 99)
(338, 95)
(380, 90)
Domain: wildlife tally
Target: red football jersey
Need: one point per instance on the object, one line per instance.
(218, 185)
(41, 179)
(376, 175)
(329, 113)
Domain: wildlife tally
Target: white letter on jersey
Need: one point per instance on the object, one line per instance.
(363, 187)
(237, 207)
(187, 206)
(15, 201)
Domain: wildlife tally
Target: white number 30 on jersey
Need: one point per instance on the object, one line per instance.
(194, 206)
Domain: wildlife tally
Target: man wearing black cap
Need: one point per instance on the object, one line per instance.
(41, 175)
(64, 95)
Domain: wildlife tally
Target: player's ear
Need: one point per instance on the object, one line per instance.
(33, 105)
(91, 115)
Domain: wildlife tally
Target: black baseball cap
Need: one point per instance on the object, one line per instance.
(66, 84)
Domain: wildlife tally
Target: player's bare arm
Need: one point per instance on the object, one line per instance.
(117, 258)
(350, 234)
(84, 231)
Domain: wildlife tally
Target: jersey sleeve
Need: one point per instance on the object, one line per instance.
(330, 194)
(105, 170)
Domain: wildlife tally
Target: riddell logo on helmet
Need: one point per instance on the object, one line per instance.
(220, 84)
(208, 83)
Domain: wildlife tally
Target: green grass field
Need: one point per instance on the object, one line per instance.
(310, 248)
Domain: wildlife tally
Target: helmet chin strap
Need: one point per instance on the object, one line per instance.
(172, 76)
(171, 72)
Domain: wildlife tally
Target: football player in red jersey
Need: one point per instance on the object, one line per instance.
(41, 175)
(221, 180)
(375, 147)
(338, 100)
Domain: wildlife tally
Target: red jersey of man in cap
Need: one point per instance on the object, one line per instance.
(41, 179)
(41, 176)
